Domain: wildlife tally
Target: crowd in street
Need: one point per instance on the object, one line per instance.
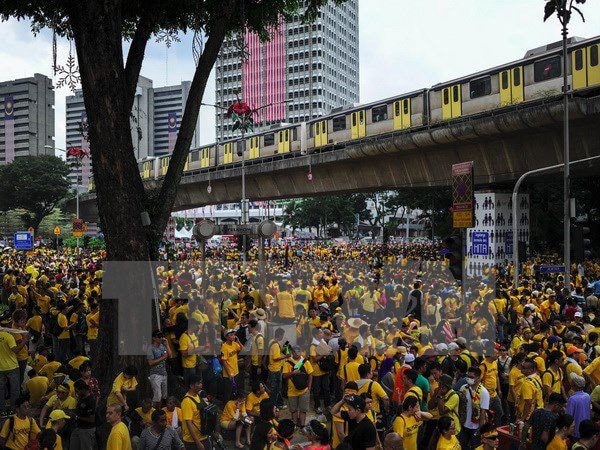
(317, 347)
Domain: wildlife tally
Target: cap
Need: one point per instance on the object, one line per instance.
(402, 350)
(380, 346)
(356, 402)
(442, 348)
(58, 414)
(229, 332)
(578, 314)
(323, 305)
(409, 358)
(461, 341)
(452, 346)
(577, 380)
(571, 350)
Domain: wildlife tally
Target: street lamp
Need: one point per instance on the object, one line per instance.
(77, 185)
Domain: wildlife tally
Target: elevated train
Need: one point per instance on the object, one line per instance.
(537, 75)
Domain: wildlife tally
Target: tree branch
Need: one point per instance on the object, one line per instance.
(162, 205)
(135, 56)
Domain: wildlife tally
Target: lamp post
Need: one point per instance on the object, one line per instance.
(564, 10)
(77, 185)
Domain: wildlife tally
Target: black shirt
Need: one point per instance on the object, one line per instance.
(362, 434)
(86, 407)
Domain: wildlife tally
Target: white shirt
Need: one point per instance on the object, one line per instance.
(484, 404)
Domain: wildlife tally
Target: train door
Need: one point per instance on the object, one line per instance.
(320, 132)
(283, 141)
(446, 104)
(402, 114)
(511, 86)
(359, 124)
(254, 148)
(205, 157)
(228, 153)
(456, 101)
(187, 162)
(164, 165)
(146, 170)
(585, 68)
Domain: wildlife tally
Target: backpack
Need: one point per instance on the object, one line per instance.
(209, 416)
(462, 406)
(299, 380)
(327, 363)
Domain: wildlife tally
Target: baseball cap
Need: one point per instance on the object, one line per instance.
(452, 346)
(356, 402)
(58, 414)
(409, 358)
(571, 349)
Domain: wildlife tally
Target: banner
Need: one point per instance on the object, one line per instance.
(86, 161)
(172, 127)
(9, 129)
(462, 195)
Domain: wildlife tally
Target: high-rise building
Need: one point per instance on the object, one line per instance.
(169, 104)
(27, 123)
(303, 71)
(155, 117)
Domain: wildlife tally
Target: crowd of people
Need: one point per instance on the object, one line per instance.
(317, 347)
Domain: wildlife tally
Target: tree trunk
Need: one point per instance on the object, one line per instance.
(119, 188)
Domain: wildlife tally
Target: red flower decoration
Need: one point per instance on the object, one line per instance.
(240, 108)
(77, 152)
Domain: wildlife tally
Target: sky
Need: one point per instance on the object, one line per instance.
(404, 45)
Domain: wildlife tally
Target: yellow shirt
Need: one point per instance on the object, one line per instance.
(230, 358)
(189, 342)
(407, 428)
(451, 401)
(253, 402)
(553, 380)
(76, 362)
(557, 443)
(36, 387)
(92, 329)
(23, 430)
(119, 439)
(68, 403)
(232, 411)
(49, 369)
(593, 370)
(35, 323)
(531, 389)
(189, 411)
(38, 362)
(146, 416)
(257, 349)
(515, 378)
(288, 367)
(350, 371)
(119, 385)
(448, 444)
(63, 324)
(313, 353)
(8, 359)
(490, 376)
(275, 352)
(285, 304)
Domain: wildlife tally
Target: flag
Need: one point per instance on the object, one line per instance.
(85, 148)
(9, 129)
(172, 127)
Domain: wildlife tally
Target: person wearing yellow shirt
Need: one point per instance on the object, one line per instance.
(145, 412)
(19, 319)
(125, 383)
(552, 377)
(60, 400)
(24, 428)
(257, 350)
(49, 369)
(447, 430)
(64, 342)
(235, 417)
(36, 387)
(56, 422)
(230, 350)
(188, 345)
(190, 415)
(372, 388)
(93, 321)
(284, 304)
(407, 424)
(592, 372)
(353, 408)
(9, 364)
(258, 394)
(295, 371)
(549, 308)
(444, 402)
(277, 356)
(77, 360)
(531, 392)
(119, 438)
(490, 379)
(16, 299)
(320, 293)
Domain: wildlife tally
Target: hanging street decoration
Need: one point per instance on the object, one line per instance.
(68, 75)
(168, 37)
(242, 116)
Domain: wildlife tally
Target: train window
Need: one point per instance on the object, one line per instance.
(405, 104)
(324, 127)
(312, 129)
(594, 55)
(397, 108)
(480, 87)
(504, 80)
(353, 119)
(547, 69)
(578, 59)
(269, 139)
(379, 113)
(195, 156)
(517, 76)
(446, 97)
(339, 123)
(455, 93)
(295, 134)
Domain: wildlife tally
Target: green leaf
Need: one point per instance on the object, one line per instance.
(549, 9)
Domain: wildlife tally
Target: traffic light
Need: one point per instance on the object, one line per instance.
(580, 243)
(454, 254)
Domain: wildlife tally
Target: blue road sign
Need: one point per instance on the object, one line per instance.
(23, 240)
(480, 243)
(552, 269)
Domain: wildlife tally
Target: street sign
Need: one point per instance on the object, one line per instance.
(236, 229)
(463, 197)
(480, 243)
(552, 269)
(57, 231)
(77, 228)
(23, 240)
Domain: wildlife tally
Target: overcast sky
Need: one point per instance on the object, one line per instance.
(404, 45)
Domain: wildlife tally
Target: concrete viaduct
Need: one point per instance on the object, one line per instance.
(502, 143)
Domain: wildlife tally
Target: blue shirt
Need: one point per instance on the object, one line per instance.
(578, 406)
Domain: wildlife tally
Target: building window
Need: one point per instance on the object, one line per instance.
(480, 87)
(547, 69)
(379, 113)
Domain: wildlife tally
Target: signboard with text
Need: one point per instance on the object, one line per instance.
(462, 195)
(23, 240)
(481, 243)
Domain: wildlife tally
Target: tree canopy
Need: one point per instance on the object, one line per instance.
(34, 183)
